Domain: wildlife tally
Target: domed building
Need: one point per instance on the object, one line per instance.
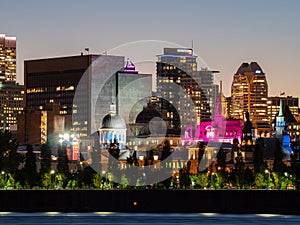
(141, 127)
(113, 129)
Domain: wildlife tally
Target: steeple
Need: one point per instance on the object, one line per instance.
(280, 122)
(280, 109)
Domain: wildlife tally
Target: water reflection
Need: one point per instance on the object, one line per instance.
(106, 218)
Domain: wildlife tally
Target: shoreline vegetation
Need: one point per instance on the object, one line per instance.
(21, 171)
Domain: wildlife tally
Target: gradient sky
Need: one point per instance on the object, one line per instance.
(225, 33)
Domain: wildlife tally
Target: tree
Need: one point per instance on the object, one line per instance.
(249, 177)
(201, 151)
(166, 151)
(113, 163)
(278, 165)
(203, 180)
(132, 160)
(62, 161)
(45, 158)
(97, 180)
(9, 158)
(235, 148)
(88, 174)
(259, 180)
(295, 168)
(30, 168)
(258, 156)
(184, 176)
(239, 168)
(221, 160)
(46, 180)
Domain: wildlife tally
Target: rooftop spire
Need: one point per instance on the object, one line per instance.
(129, 67)
(280, 109)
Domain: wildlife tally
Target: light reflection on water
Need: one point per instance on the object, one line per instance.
(109, 218)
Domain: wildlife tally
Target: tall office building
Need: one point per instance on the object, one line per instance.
(11, 105)
(8, 72)
(183, 101)
(210, 90)
(289, 109)
(249, 92)
(73, 82)
(129, 90)
(288, 101)
(11, 93)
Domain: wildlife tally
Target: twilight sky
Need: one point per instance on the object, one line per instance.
(225, 33)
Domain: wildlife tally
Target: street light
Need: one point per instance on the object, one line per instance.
(211, 178)
(3, 173)
(268, 172)
(52, 172)
(104, 173)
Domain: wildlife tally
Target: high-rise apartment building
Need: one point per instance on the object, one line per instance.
(8, 72)
(249, 92)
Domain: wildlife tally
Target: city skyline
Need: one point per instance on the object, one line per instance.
(224, 34)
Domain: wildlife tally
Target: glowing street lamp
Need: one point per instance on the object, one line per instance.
(211, 178)
(52, 173)
(104, 173)
(268, 172)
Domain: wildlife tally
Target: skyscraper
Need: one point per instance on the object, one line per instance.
(11, 94)
(183, 101)
(11, 105)
(249, 92)
(8, 70)
(72, 82)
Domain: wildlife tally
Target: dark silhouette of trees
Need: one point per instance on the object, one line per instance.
(295, 167)
(221, 166)
(258, 156)
(113, 163)
(235, 148)
(62, 161)
(166, 151)
(45, 159)
(239, 168)
(9, 158)
(149, 159)
(30, 168)
(184, 176)
(221, 160)
(201, 151)
(132, 159)
(249, 177)
(278, 165)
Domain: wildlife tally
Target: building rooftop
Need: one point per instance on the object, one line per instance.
(253, 67)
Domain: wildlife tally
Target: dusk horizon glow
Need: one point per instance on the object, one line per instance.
(224, 33)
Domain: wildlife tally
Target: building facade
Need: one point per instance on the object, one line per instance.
(249, 93)
(274, 105)
(183, 101)
(11, 105)
(73, 83)
(8, 52)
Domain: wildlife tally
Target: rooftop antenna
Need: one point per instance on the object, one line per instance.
(193, 44)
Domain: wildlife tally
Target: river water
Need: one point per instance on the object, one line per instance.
(110, 218)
